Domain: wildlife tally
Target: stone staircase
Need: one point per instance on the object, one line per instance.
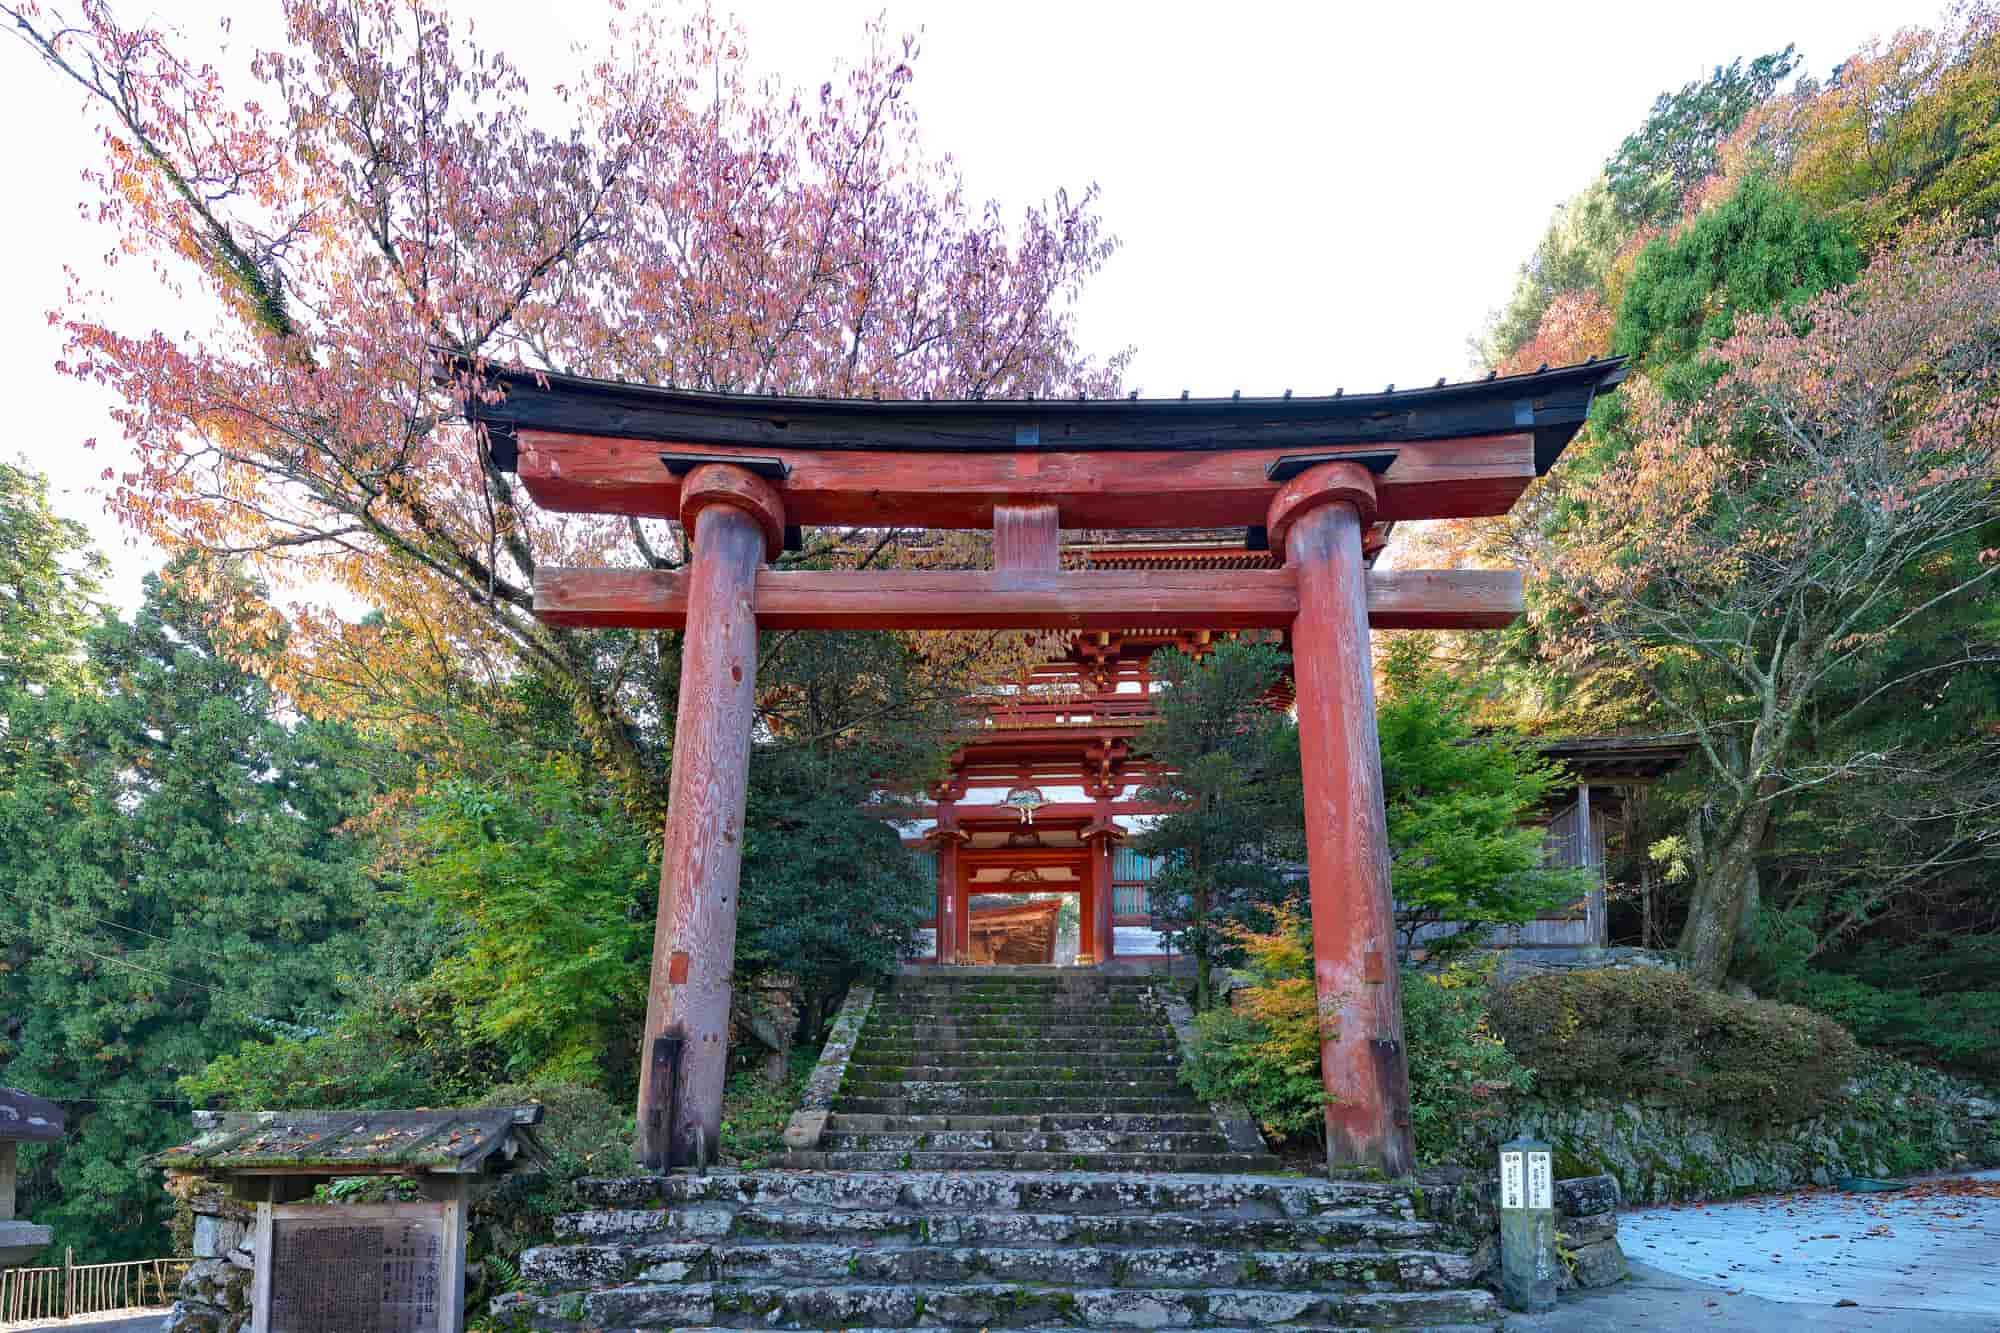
(995, 1249)
(1025, 1069)
(1009, 1150)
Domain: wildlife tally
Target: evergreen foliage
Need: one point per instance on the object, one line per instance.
(1262, 1051)
(1678, 145)
(1460, 1071)
(830, 894)
(1761, 249)
(1235, 835)
(178, 874)
(543, 881)
(1462, 842)
(49, 577)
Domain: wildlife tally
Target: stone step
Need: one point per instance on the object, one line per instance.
(1193, 1122)
(1023, 980)
(1150, 1060)
(936, 1191)
(1030, 1046)
(1113, 1076)
(1049, 1141)
(852, 1104)
(1484, 1326)
(572, 1267)
(1081, 1025)
(1021, 1026)
(1024, 1041)
(1360, 1229)
(1063, 1081)
(956, 1009)
(1037, 1046)
(996, 1305)
(997, 1160)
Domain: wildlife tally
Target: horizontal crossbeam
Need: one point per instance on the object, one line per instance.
(1008, 599)
(592, 474)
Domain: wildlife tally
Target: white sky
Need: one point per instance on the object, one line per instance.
(1310, 195)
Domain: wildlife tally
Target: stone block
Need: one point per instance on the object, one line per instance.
(1577, 1231)
(1239, 1131)
(187, 1317)
(1586, 1196)
(216, 1235)
(1599, 1264)
(804, 1129)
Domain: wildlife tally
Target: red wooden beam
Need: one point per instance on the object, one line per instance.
(1015, 599)
(592, 474)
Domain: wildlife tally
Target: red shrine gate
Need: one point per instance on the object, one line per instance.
(1308, 476)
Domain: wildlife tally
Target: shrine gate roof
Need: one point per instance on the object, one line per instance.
(1549, 404)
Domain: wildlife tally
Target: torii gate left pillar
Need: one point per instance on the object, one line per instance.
(735, 521)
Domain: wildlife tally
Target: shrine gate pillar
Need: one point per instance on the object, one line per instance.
(735, 521)
(946, 839)
(1097, 931)
(1317, 520)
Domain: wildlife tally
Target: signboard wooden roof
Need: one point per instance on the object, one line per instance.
(354, 1143)
(26, 1118)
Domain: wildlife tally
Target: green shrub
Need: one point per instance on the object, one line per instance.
(1264, 1053)
(755, 1110)
(1233, 1062)
(584, 1135)
(1459, 1070)
(1651, 1034)
(580, 1126)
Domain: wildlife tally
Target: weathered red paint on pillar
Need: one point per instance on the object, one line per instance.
(1086, 915)
(733, 516)
(1318, 519)
(1100, 935)
(961, 898)
(946, 839)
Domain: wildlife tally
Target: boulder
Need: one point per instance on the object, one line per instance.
(1598, 1265)
(1578, 1231)
(189, 1318)
(1587, 1196)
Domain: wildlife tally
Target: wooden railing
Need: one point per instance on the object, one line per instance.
(1082, 711)
(82, 1289)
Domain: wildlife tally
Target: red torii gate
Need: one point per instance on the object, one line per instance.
(1308, 475)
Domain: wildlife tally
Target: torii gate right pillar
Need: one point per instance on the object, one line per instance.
(1317, 520)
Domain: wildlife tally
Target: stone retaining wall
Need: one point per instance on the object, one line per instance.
(214, 1296)
(1893, 1119)
(808, 1123)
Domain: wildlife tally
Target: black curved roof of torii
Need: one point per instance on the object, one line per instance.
(1552, 404)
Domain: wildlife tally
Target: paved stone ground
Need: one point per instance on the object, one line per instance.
(1652, 1298)
(146, 1323)
(1931, 1248)
(1922, 1260)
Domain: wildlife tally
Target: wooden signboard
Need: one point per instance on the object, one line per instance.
(367, 1268)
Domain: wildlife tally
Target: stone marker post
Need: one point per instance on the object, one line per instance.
(1527, 1226)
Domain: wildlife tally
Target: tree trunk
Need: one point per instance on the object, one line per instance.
(1724, 901)
(1198, 901)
